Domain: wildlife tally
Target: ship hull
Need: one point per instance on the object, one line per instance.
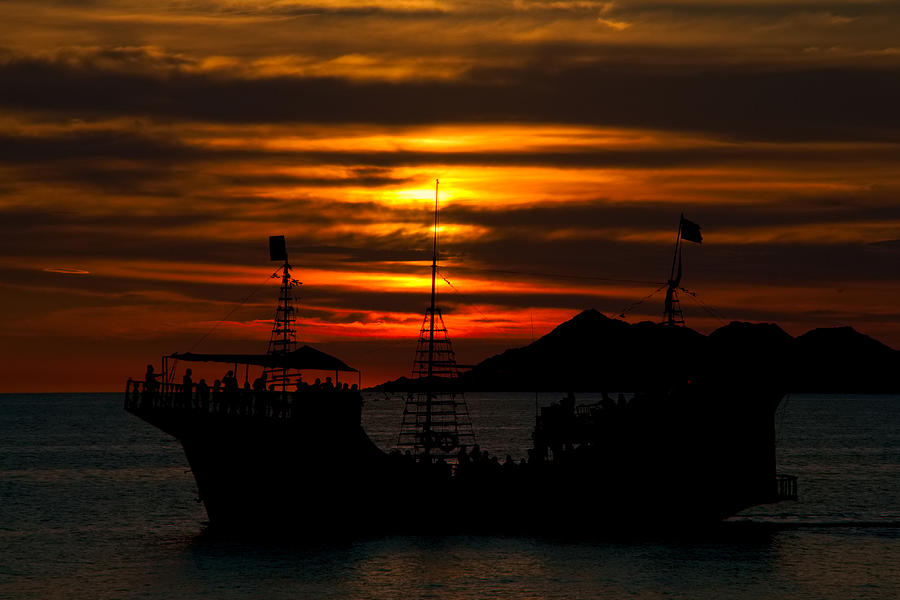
(687, 465)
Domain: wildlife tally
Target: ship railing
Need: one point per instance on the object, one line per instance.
(144, 396)
(154, 395)
(785, 487)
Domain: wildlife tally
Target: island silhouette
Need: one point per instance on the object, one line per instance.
(593, 352)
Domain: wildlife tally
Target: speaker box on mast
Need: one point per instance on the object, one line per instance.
(277, 248)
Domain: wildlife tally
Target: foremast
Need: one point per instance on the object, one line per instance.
(284, 328)
(436, 422)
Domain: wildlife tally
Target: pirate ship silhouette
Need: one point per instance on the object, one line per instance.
(283, 455)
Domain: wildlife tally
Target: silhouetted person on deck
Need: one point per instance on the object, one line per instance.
(187, 387)
(475, 455)
(203, 395)
(259, 384)
(259, 393)
(229, 382)
(150, 385)
(230, 391)
(317, 384)
(328, 386)
(150, 380)
(217, 395)
(246, 399)
(462, 457)
(278, 399)
(606, 402)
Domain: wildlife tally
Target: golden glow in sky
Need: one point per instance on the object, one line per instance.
(150, 150)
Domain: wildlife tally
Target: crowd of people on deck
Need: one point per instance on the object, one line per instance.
(475, 464)
(479, 462)
(274, 398)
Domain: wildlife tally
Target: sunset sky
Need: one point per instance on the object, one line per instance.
(150, 148)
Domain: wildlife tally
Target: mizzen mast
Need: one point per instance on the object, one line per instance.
(690, 231)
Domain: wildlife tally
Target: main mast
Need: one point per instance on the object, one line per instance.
(429, 437)
(436, 423)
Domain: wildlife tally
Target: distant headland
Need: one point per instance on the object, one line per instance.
(592, 352)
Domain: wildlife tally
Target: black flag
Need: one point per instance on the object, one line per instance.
(690, 231)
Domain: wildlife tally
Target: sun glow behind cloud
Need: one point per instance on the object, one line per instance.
(156, 147)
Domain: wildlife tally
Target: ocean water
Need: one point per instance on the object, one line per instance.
(94, 503)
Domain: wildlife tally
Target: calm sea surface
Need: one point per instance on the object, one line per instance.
(96, 504)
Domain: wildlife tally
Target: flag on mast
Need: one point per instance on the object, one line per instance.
(690, 231)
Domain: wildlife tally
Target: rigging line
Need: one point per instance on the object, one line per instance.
(560, 275)
(634, 305)
(491, 321)
(621, 314)
(233, 310)
(703, 305)
(468, 299)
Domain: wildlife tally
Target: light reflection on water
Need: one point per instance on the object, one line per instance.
(96, 504)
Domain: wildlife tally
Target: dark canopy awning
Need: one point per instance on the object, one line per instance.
(306, 357)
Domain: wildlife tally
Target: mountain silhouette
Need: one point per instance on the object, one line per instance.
(592, 352)
(841, 359)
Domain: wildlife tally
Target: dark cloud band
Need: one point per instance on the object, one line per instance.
(764, 102)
